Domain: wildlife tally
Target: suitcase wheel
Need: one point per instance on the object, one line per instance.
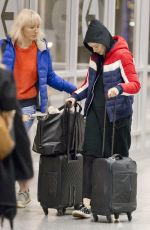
(95, 217)
(116, 215)
(45, 209)
(129, 215)
(61, 211)
(109, 219)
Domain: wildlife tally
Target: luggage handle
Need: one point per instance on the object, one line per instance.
(117, 157)
(67, 107)
(113, 130)
(39, 115)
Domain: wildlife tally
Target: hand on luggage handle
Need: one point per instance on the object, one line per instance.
(112, 92)
(70, 101)
(68, 105)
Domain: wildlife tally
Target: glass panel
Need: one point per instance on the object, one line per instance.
(125, 20)
(9, 9)
(88, 10)
(54, 18)
(149, 43)
(57, 98)
(148, 103)
(136, 119)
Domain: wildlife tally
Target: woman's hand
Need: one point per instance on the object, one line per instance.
(113, 92)
(70, 100)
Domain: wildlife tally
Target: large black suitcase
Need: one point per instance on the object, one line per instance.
(114, 181)
(60, 182)
(60, 177)
(114, 187)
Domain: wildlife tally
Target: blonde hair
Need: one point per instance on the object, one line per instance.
(25, 17)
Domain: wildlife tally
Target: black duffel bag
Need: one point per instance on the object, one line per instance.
(57, 131)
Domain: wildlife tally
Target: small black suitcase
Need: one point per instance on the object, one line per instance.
(114, 187)
(60, 183)
(114, 183)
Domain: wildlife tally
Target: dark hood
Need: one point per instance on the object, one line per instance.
(98, 33)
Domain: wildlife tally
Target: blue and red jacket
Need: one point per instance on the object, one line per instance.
(118, 70)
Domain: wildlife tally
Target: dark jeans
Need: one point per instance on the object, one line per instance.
(87, 176)
(94, 134)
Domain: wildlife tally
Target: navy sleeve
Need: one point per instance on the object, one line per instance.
(120, 89)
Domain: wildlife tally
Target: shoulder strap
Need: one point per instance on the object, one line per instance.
(3, 45)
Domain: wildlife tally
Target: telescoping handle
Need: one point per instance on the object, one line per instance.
(67, 127)
(113, 128)
(117, 157)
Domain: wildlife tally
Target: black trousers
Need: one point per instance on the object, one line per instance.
(87, 176)
(93, 138)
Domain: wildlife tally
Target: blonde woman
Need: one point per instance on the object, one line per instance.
(27, 54)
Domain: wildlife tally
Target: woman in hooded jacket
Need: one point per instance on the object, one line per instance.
(111, 82)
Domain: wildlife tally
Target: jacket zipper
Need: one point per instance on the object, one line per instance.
(92, 93)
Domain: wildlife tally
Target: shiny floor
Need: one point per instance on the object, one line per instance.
(33, 218)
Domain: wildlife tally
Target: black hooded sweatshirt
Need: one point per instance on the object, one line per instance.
(98, 33)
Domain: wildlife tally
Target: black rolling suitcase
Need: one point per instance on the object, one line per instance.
(60, 179)
(114, 186)
(60, 183)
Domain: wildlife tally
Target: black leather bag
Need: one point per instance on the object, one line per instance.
(57, 131)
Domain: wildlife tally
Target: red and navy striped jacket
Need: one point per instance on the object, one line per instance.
(118, 70)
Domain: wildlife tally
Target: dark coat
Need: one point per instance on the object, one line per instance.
(95, 125)
(118, 71)
(18, 165)
(115, 69)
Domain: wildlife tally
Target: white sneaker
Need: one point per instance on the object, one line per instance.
(83, 212)
(23, 198)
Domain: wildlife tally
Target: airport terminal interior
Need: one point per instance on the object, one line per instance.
(33, 218)
(64, 24)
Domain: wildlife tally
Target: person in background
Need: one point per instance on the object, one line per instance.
(27, 55)
(17, 163)
(111, 76)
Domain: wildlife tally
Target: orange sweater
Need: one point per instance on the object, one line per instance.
(25, 71)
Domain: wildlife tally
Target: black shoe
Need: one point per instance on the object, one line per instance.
(83, 212)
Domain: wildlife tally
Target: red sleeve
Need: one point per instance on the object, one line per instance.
(131, 83)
